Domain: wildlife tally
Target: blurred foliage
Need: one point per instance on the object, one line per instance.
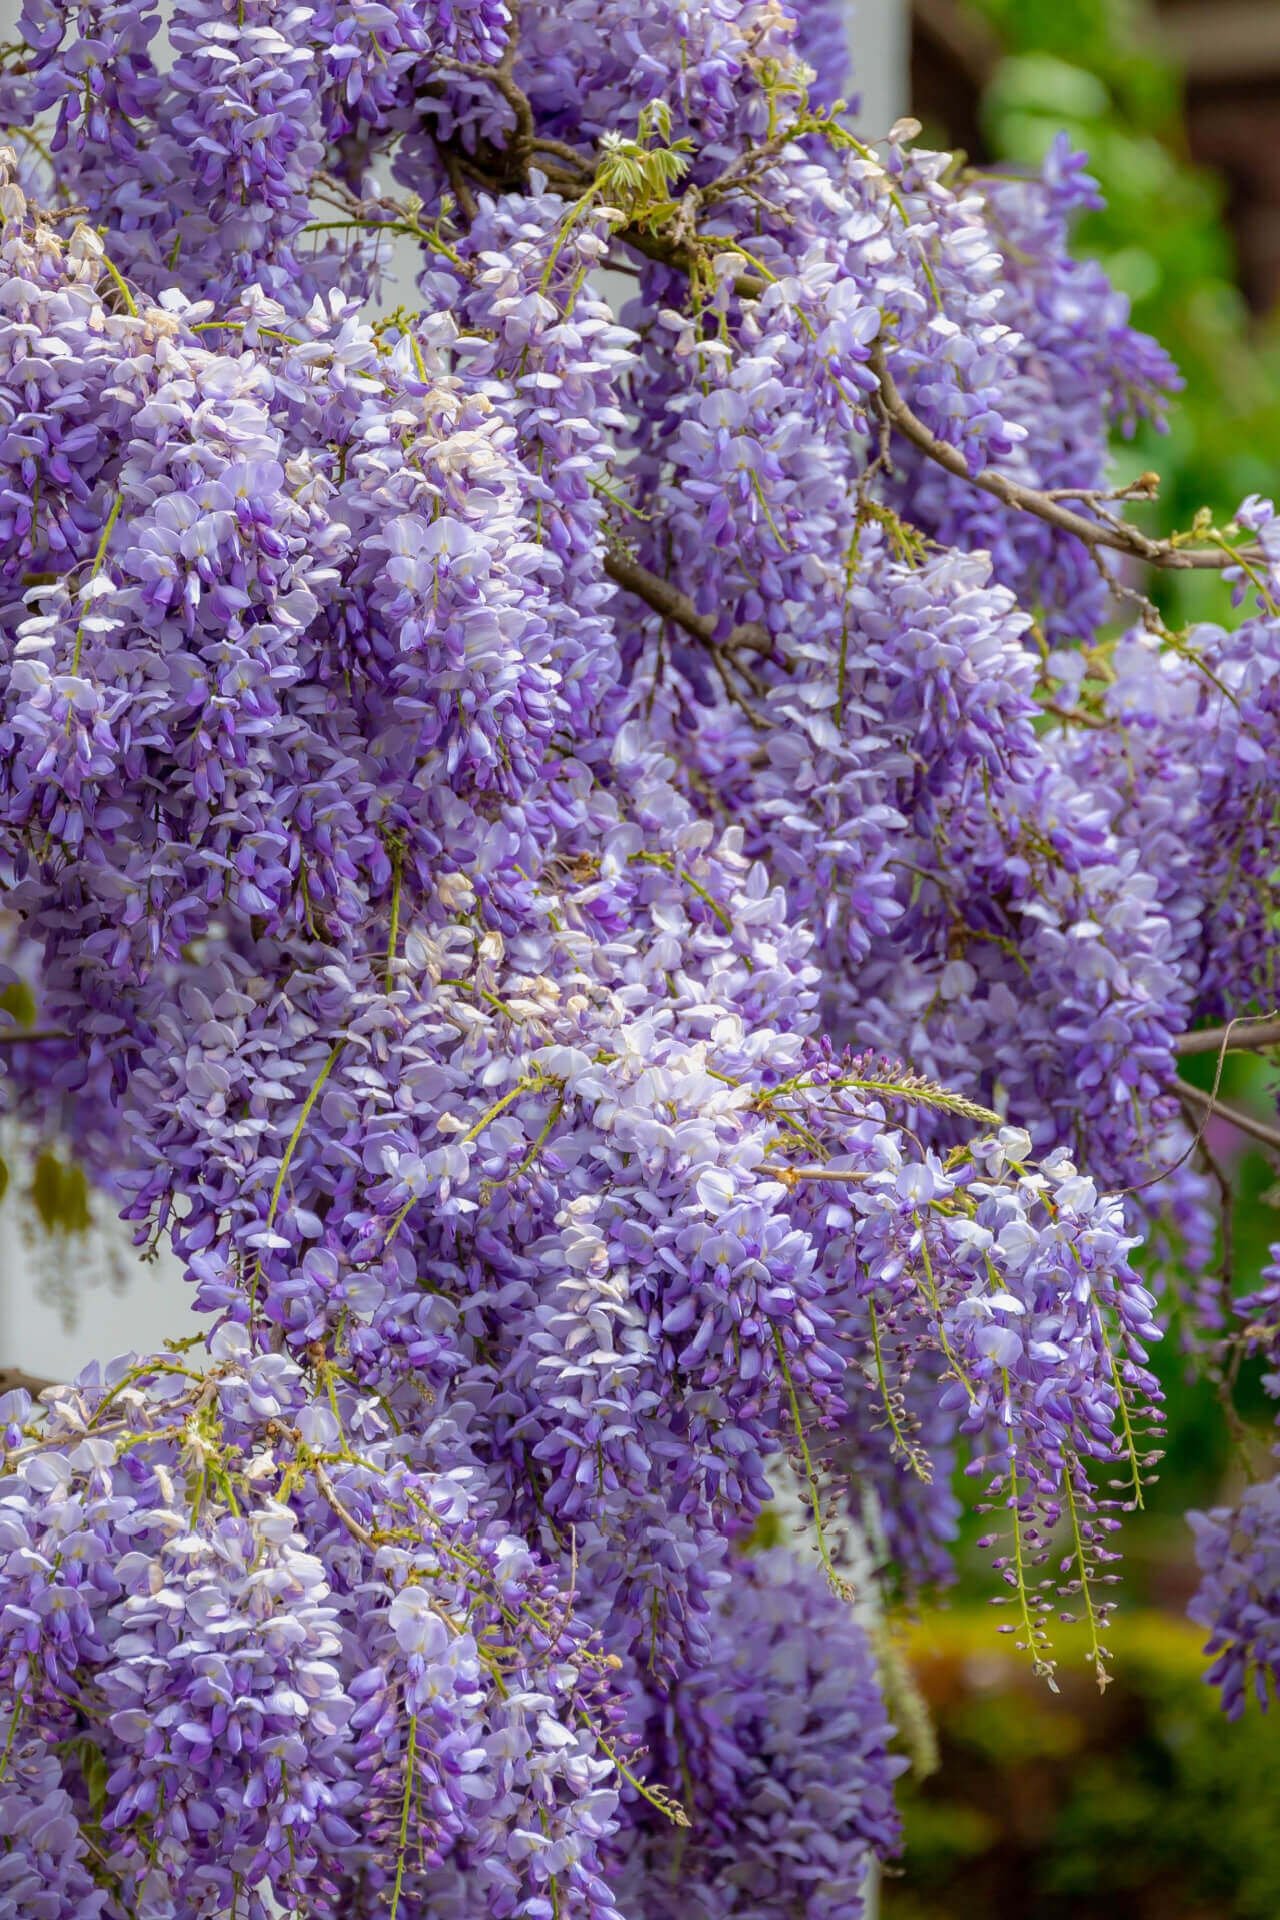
(17, 999)
(59, 1192)
(1095, 68)
(1073, 1807)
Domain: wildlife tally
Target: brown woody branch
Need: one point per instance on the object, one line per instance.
(959, 34)
(1240, 1036)
(1116, 535)
(1214, 1109)
(354, 1527)
(676, 606)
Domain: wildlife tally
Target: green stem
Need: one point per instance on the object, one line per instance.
(1095, 1645)
(839, 1585)
(409, 227)
(1246, 567)
(557, 1108)
(1037, 1642)
(14, 1719)
(1130, 1442)
(500, 1106)
(296, 1135)
(668, 865)
(397, 878)
(669, 1808)
(904, 1443)
(931, 1291)
(411, 1753)
(98, 559)
(118, 277)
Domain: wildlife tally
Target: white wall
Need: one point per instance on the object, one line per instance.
(64, 1301)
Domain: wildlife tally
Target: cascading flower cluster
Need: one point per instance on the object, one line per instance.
(611, 902)
(784, 1737)
(289, 1629)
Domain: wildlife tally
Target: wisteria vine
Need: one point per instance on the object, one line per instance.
(603, 871)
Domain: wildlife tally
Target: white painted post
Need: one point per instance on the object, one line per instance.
(879, 38)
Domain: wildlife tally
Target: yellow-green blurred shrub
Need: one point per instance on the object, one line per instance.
(1141, 1802)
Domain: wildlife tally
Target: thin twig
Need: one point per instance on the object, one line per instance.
(1235, 1116)
(789, 1175)
(1209, 1106)
(354, 1527)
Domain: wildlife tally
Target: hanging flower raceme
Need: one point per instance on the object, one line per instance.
(783, 1745)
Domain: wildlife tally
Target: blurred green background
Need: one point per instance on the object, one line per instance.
(1143, 1801)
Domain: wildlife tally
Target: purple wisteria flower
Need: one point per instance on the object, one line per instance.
(570, 865)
